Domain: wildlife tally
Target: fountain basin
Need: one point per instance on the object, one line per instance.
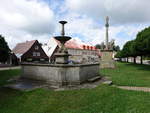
(62, 39)
(60, 74)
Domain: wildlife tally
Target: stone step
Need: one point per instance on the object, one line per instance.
(108, 82)
(94, 79)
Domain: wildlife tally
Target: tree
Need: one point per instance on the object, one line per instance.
(129, 50)
(119, 55)
(126, 50)
(138, 47)
(116, 48)
(142, 45)
(133, 52)
(100, 46)
(4, 49)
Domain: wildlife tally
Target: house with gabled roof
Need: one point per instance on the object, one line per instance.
(30, 51)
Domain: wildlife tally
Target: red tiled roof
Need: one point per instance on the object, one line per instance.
(74, 44)
(21, 48)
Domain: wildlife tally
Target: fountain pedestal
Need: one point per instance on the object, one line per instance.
(61, 58)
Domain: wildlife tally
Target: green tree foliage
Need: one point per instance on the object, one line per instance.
(116, 48)
(119, 55)
(100, 46)
(4, 49)
(138, 47)
(143, 42)
(126, 49)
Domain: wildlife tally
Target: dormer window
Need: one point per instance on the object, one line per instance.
(36, 47)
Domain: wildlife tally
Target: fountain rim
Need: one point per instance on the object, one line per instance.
(62, 38)
(63, 22)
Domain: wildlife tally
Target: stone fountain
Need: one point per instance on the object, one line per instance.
(62, 55)
(61, 73)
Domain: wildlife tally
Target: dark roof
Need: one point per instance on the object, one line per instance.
(21, 48)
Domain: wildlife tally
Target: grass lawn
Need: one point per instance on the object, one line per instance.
(103, 99)
(129, 74)
(6, 74)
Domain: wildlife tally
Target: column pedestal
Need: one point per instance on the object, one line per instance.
(106, 59)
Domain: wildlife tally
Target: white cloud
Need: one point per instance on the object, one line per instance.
(85, 28)
(28, 15)
(126, 18)
(120, 11)
(92, 32)
(22, 20)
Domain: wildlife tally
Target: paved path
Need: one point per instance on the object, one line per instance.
(145, 89)
(7, 68)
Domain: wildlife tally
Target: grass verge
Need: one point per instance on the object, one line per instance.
(128, 74)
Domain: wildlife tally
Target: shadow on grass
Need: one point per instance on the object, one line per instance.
(139, 66)
(6, 93)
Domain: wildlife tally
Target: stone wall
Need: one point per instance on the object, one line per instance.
(83, 55)
(60, 74)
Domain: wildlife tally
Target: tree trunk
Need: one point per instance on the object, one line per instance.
(141, 59)
(119, 59)
(127, 59)
(135, 60)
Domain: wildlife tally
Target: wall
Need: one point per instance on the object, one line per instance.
(83, 55)
(60, 74)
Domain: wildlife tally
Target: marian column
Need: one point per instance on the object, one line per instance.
(107, 26)
(106, 60)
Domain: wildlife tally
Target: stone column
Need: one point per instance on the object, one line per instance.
(106, 57)
(107, 26)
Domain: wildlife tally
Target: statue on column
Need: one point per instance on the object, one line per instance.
(106, 60)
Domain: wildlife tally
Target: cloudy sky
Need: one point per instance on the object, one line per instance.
(22, 20)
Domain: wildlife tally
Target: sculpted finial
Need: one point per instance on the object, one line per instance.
(107, 21)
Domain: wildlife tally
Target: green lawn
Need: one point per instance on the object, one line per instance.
(128, 74)
(103, 99)
(6, 74)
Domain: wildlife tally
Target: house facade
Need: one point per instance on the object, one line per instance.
(30, 51)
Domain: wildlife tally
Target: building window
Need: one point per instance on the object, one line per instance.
(36, 47)
(34, 53)
(38, 53)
